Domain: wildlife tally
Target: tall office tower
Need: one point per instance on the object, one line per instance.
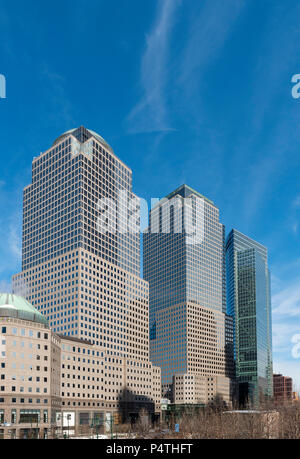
(184, 265)
(81, 261)
(61, 204)
(249, 304)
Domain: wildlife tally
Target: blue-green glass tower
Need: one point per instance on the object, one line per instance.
(249, 303)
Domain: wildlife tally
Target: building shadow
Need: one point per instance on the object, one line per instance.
(131, 405)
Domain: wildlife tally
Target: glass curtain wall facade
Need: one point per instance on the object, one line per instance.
(248, 300)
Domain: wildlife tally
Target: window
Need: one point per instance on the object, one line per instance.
(13, 416)
(29, 416)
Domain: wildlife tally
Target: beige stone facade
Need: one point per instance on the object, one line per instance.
(201, 342)
(52, 384)
(206, 345)
(193, 389)
(30, 377)
(84, 296)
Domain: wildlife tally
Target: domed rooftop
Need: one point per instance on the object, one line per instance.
(82, 134)
(18, 307)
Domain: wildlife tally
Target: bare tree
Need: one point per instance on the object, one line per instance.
(143, 425)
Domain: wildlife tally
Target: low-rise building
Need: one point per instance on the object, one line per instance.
(51, 384)
(196, 389)
(283, 389)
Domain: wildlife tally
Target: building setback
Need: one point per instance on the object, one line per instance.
(249, 304)
(190, 335)
(84, 280)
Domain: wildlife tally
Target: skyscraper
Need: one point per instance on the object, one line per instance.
(184, 265)
(249, 303)
(60, 206)
(83, 279)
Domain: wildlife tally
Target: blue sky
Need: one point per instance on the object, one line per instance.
(185, 92)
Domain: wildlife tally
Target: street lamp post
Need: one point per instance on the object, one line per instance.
(68, 419)
(111, 427)
(60, 419)
(31, 433)
(96, 424)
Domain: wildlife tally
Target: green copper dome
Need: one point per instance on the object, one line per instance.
(18, 307)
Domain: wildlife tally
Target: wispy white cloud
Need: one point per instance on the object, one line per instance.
(151, 113)
(283, 331)
(209, 30)
(5, 287)
(286, 324)
(15, 241)
(287, 301)
(6, 30)
(60, 109)
(296, 202)
(294, 227)
(10, 233)
(284, 272)
(269, 92)
(205, 35)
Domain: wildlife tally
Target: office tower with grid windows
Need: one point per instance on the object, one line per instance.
(84, 280)
(190, 335)
(249, 304)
